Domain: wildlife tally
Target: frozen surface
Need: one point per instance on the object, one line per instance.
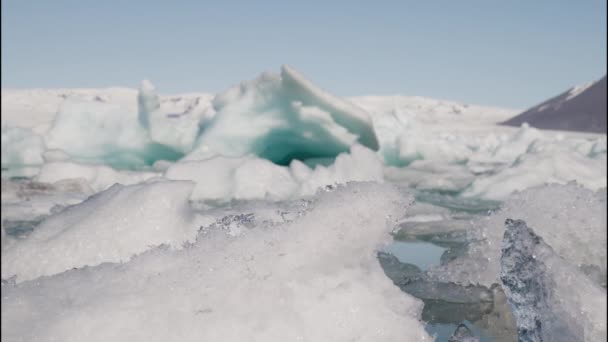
(111, 226)
(551, 300)
(314, 279)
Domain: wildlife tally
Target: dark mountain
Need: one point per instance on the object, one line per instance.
(579, 109)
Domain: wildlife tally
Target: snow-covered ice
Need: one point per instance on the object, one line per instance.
(313, 279)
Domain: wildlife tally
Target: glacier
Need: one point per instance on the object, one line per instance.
(290, 213)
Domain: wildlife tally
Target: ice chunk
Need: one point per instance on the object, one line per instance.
(105, 133)
(343, 112)
(573, 222)
(111, 226)
(220, 179)
(551, 300)
(432, 175)
(282, 118)
(178, 131)
(21, 151)
(547, 162)
(463, 334)
(314, 279)
(361, 164)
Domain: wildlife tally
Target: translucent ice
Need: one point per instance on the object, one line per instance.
(570, 218)
(282, 118)
(463, 334)
(22, 151)
(551, 300)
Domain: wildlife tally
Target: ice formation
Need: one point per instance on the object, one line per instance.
(463, 334)
(282, 118)
(314, 279)
(221, 179)
(551, 300)
(285, 117)
(111, 226)
(177, 130)
(573, 222)
(21, 152)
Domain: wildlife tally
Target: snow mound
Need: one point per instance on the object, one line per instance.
(110, 226)
(314, 279)
(282, 118)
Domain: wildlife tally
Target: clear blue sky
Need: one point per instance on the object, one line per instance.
(509, 53)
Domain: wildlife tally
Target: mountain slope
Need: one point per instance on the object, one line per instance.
(581, 108)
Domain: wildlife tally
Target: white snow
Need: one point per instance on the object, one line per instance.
(575, 91)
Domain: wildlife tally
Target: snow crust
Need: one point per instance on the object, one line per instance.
(315, 278)
(111, 226)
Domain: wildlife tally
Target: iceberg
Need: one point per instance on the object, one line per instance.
(104, 133)
(282, 118)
